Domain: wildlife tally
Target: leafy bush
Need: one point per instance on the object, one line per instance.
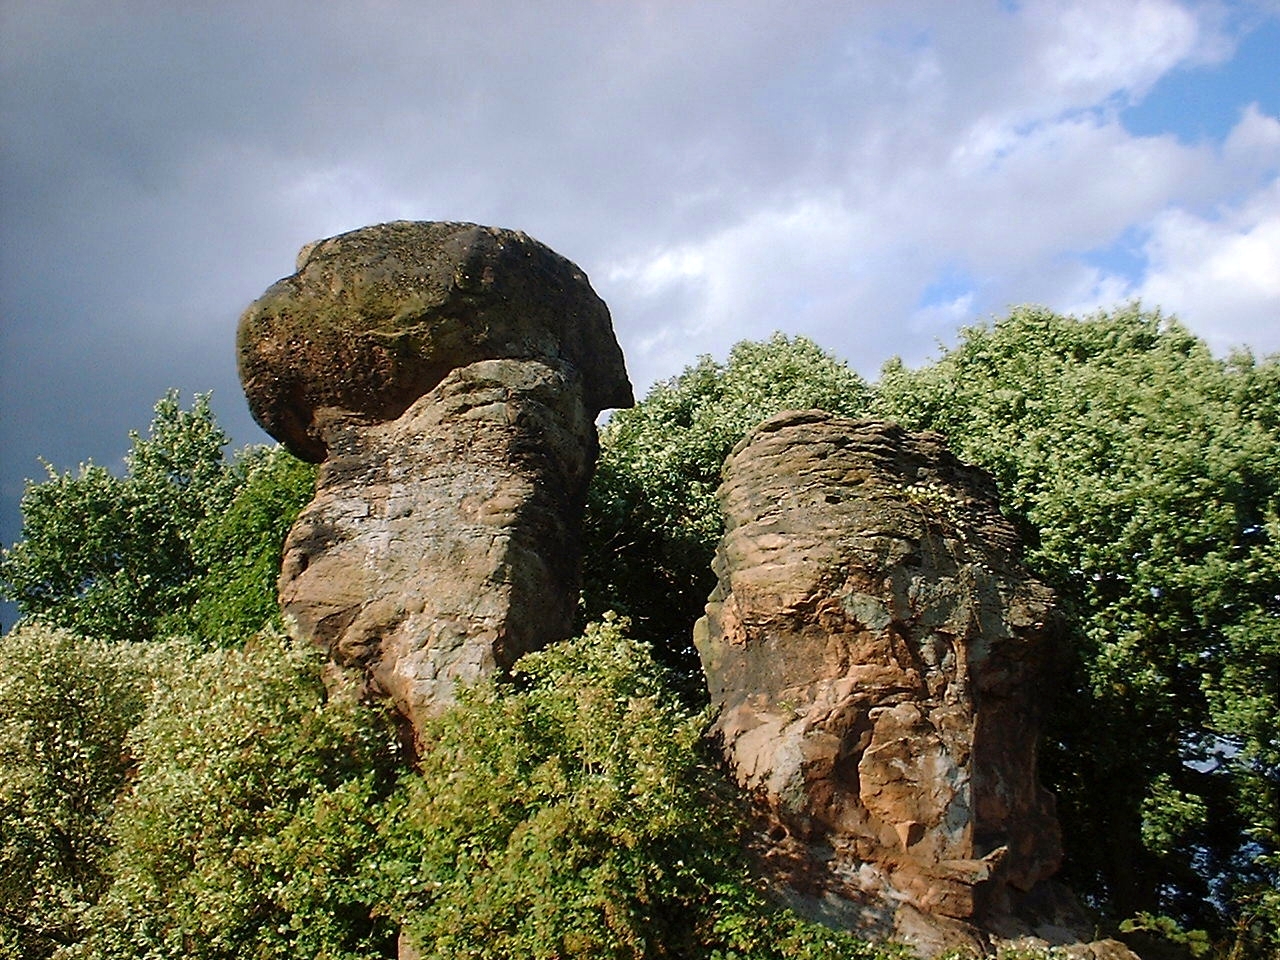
(572, 813)
(66, 707)
(255, 801)
(568, 812)
(106, 556)
(239, 548)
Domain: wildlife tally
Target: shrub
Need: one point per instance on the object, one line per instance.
(66, 707)
(255, 801)
(574, 813)
(185, 542)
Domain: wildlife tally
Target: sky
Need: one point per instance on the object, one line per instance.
(873, 175)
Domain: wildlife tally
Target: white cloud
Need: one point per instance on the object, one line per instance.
(1062, 186)
(1211, 248)
(1253, 146)
(1089, 50)
(1221, 274)
(794, 266)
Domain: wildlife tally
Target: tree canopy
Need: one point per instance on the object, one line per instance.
(652, 518)
(186, 541)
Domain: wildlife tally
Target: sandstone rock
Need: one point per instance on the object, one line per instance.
(878, 659)
(375, 318)
(448, 376)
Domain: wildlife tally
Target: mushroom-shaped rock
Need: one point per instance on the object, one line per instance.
(447, 376)
(375, 318)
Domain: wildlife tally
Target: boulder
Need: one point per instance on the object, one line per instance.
(447, 377)
(877, 659)
(373, 319)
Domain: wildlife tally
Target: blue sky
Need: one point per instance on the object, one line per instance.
(1204, 101)
(873, 175)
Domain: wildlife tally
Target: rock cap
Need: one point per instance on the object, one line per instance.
(375, 318)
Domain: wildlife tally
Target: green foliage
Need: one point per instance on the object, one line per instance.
(160, 802)
(106, 556)
(1154, 933)
(239, 549)
(185, 542)
(568, 812)
(1146, 474)
(652, 517)
(572, 813)
(255, 799)
(66, 707)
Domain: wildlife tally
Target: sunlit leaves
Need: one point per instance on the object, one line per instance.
(253, 805)
(106, 555)
(66, 708)
(573, 813)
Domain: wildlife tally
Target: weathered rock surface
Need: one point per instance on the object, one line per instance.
(878, 659)
(375, 318)
(448, 377)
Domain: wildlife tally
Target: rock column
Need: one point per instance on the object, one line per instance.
(447, 378)
(878, 658)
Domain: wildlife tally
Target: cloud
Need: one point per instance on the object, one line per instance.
(1011, 173)
(1209, 257)
(1219, 273)
(794, 266)
(1093, 50)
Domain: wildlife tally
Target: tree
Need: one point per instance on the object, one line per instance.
(1146, 474)
(184, 541)
(652, 517)
(239, 550)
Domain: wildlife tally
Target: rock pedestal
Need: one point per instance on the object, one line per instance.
(878, 659)
(447, 378)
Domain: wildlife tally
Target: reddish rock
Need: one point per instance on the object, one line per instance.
(878, 659)
(448, 377)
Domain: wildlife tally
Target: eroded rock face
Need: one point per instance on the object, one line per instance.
(448, 377)
(878, 658)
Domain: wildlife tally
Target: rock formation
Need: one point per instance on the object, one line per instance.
(447, 377)
(878, 659)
